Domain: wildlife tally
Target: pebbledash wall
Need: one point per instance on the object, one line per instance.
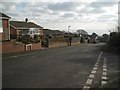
(12, 46)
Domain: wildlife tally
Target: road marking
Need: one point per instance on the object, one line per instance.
(103, 82)
(94, 68)
(104, 73)
(19, 55)
(92, 74)
(99, 56)
(104, 66)
(86, 88)
(93, 71)
(89, 82)
(104, 69)
(15, 56)
(104, 77)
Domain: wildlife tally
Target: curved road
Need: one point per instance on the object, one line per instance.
(79, 66)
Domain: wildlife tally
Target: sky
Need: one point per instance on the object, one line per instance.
(99, 16)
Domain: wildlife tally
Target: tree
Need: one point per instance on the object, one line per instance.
(114, 40)
(94, 35)
(105, 37)
(82, 32)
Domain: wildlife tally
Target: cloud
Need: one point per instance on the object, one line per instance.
(97, 11)
(63, 6)
(101, 4)
(64, 9)
(107, 0)
(107, 18)
(68, 15)
(50, 14)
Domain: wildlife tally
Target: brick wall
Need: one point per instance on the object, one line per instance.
(36, 46)
(12, 46)
(13, 33)
(5, 35)
(57, 44)
(0, 36)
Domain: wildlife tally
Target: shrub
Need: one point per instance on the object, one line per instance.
(26, 39)
(36, 38)
(114, 40)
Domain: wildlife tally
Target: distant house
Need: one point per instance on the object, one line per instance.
(52, 33)
(82, 32)
(21, 28)
(4, 27)
(93, 38)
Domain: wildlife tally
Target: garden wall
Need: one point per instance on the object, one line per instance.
(12, 46)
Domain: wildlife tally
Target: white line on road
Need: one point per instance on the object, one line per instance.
(86, 88)
(89, 82)
(94, 68)
(20, 55)
(92, 74)
(15, 56)
(93, 71)
(104, 66)
(103, 82)
(99, 56)
(104, 69)
(104, 75)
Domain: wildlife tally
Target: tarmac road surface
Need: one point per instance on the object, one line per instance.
(80, 66)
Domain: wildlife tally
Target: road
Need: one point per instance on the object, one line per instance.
(79, 66)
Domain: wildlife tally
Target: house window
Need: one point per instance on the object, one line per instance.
(25, 31)
(30, 32)
(33, 32)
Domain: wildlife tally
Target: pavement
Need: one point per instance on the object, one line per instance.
(80, 66)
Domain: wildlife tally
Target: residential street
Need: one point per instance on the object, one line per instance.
(65, 67)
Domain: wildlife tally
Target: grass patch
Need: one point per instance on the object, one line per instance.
(107, 48)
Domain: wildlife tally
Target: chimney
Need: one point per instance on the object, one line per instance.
(26, 20)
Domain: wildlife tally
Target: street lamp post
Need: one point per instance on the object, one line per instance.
(68, 28)
(69, 36)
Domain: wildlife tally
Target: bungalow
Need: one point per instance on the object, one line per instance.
(21, 28)
(52, 33)
(4, 27)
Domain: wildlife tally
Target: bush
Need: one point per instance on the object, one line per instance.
(114, 40)
(26, 39)
(36, 38)
(76, 35)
